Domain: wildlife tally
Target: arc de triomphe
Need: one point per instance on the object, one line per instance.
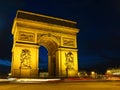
(58, 36)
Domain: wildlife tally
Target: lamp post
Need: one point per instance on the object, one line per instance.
(93, 74)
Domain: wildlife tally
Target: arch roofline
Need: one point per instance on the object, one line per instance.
(46, 16)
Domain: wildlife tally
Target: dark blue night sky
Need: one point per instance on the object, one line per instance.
(98, 21)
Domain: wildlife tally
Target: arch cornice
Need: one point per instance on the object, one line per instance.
(46, 26)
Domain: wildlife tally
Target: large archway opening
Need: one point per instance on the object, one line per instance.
(43, 59)
(48, 56)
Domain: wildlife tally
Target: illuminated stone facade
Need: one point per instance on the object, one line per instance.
(113, 71)
(58, 36)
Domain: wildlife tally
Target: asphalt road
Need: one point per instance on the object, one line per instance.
(112, 85)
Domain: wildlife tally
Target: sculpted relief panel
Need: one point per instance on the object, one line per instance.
(68, 42)
(26, 36)
(25, 58)
(69, 61)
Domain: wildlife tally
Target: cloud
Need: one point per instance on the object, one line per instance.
(5, 62)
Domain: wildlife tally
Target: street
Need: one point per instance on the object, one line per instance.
(85, 85)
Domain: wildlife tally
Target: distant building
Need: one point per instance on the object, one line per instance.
(43, 74)
(113, 71)
(82, 73)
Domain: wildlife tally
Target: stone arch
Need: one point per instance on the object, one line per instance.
(44, 37)
(51, 44)
(58, 36)
(47, 40)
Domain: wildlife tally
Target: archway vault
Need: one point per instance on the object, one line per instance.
(58, 36)
(50, 43)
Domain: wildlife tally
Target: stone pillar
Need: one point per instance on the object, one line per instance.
(57, 64)
(68, 62)
(49, 65)
(24, 60)
(52, 65)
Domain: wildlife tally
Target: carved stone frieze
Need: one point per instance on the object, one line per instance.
(69, 61)
(39, 35)
(68, 42)
(26, 36)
